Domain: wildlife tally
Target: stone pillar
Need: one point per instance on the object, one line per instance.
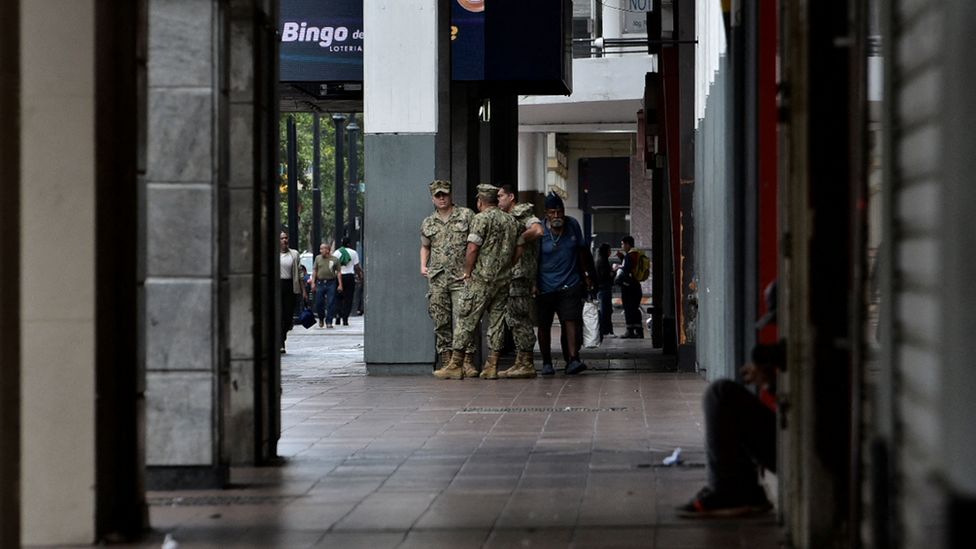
(402, 70)
(532, 167)
(248, 248)
(183, 389)
(57, 313)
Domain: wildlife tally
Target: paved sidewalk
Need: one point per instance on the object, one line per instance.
(384, 462)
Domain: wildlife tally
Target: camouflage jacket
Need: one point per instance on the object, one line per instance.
(447, 241)
(528, 265)
(497, 234)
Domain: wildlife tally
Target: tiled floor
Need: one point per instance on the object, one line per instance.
(404, 462)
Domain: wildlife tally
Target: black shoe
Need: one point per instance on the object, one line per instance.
(629, 334)
(345, 321)
(548, 370)
(709, 503)
(575, 367)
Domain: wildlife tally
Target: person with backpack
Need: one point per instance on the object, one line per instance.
(351, 272)
(634, 269)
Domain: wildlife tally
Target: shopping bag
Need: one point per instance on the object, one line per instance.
(306, 318)
(591, 324)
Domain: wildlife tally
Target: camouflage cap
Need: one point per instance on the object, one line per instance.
(440, 186)
(487, 190)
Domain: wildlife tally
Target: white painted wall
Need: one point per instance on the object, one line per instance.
(532, 162)
(58, 285)
(400, 66)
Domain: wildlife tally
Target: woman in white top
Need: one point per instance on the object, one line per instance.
(291, 285)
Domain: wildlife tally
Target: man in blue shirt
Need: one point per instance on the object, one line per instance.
(564, 275)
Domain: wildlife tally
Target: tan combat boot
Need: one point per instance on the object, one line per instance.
(490, 369)
(452, 370)
(469, 369)
(524, 367)
(528, 365)
(445, 358)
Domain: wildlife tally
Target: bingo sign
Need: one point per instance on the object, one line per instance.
(321, 41)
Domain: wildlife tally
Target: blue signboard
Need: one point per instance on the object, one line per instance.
(468, 39)
(523, 45)
(321, 41)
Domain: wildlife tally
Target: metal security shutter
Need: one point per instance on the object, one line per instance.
(917, 180)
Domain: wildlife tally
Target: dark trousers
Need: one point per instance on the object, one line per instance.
(740, 431)
(631, 296)
(348, 296)
(325, 299)
(287, 308)
(606, 310)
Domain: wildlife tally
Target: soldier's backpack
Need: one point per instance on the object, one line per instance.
(642, 267)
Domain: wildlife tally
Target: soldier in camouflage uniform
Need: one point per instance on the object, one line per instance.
(520, 309)
(493, 243)
(443, 240)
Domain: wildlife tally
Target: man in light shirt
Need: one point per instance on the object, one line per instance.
(351, 273)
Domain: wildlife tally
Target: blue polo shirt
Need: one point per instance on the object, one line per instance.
(559, 257)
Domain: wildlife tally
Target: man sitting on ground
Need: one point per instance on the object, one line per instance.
(740, 432)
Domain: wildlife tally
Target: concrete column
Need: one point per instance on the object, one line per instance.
(532, 162)
(249, 140)
(58, 325)
(613, 21)
(401, 121)
(182, 384)
(959, 438)
(613, 24)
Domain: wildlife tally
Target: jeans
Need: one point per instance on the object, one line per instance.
(740, 431)
(325, 299)
(606, 310)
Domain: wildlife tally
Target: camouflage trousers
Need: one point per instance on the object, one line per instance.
(520, 315)
(443, 297)
(478, 297)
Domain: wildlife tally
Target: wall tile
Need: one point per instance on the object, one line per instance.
(180, 43)
(179, 420)
(179, 231)
(239, 423)
(180, 139)
(241, 146)
(241, 59)
(241, 329)
(179, 325)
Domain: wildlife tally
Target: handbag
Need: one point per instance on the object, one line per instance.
(306, 318)
(591, 324)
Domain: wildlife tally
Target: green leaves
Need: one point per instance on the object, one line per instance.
(303, 124)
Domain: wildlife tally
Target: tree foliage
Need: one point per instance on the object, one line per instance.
(304, 126)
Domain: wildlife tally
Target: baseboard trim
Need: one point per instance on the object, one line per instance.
(171, 477)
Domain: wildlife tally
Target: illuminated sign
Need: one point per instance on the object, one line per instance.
(524, 45)
(321, 41)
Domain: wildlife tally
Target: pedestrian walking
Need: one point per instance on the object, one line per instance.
(604, 289)
(630, 289)
(564, 276)
(443, 242)
(291, 285)
(493, 245)
(520, 308)
(351, 272)
(327, 285)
